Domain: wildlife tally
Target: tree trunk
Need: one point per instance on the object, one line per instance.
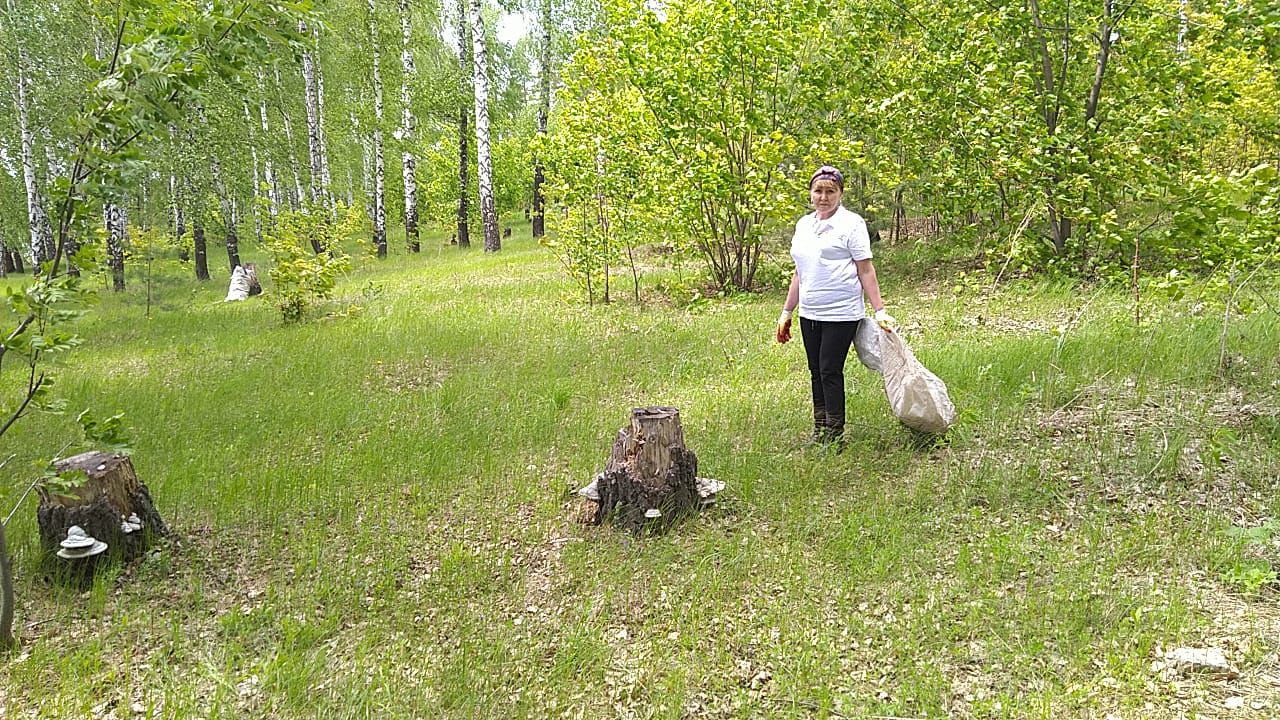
(175, 198)
(228, 213)
(117, 232)
(201, 249)
(464, 132)
(257, 177)
(544, 112)
(406, 134)
(1100, 70)
(6, 594)
(379, 166)
(484, 165)
(298, 193)
(313, 123)
(109, 493)
(268, 168)
(41, 230)
(326, 179)
(651, 477)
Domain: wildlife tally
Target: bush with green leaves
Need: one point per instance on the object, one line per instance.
(303, 277)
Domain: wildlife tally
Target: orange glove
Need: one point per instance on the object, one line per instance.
(784, 327)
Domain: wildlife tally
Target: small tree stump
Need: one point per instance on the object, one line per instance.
(109, 494)
(649, 470)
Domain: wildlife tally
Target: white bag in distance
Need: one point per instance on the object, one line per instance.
(867, 342)
(917, 397)
(239, 289)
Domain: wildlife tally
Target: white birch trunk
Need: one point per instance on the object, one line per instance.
(298, 193)
(116, 222)
(379, 164)
(268, 169)
(257, 177)
(544, 111)
(313, 123)
(406, 133)
(484, 165)
(41, 231)
(326, 178)
(175, 201)
(228, 213)
(463, 234)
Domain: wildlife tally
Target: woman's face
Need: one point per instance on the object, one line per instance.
(825, 196)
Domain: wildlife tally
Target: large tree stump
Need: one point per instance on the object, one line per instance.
(108, 493)
(650, 479)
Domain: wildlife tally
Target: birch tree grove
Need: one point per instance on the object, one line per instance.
(484, 162)
(1091, 122)
(407, 133)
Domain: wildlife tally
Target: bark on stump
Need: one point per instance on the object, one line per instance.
(649, 470)
(109, 493)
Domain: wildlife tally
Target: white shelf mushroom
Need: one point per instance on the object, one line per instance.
(79, 544)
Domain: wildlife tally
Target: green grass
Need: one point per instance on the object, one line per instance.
(376, 512)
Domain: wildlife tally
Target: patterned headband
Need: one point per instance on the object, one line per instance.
(830, 172)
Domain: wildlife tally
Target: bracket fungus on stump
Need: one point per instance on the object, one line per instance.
(110, 506)
(650, 479)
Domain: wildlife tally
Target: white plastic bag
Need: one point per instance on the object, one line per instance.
(239, 289)
(917, 397)
(867, 342)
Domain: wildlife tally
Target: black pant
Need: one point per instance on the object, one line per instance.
(827, 344)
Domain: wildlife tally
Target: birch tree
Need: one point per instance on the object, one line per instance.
(544, 111)
(298, 193)
(310, 95)
(117, 232)
(40, 229)
(406, 133)
(257, 180)
(273, 191)
(379, 169)
(484, 163)
(227, 205)
(464, 132)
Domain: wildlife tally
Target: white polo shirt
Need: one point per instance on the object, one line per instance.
(824, 251)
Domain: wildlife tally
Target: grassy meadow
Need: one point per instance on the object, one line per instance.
(376, 516)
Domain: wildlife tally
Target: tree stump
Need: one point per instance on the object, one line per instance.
(101, 504)
(650, 479)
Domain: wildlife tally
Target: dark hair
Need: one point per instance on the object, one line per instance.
(827, 172)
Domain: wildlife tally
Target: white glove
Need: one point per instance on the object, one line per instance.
(885, 320)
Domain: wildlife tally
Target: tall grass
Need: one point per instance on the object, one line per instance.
(376, 514)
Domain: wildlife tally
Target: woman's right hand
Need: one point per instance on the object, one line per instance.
(784, 330)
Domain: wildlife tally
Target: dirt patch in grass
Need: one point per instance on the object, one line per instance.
(407, 376)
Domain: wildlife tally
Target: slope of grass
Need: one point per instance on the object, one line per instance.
(376, 516)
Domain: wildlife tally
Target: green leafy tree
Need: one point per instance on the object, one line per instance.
(731, 86)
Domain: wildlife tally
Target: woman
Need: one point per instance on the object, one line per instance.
(832, 252)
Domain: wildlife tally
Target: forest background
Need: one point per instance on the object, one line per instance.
(1015, 159)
